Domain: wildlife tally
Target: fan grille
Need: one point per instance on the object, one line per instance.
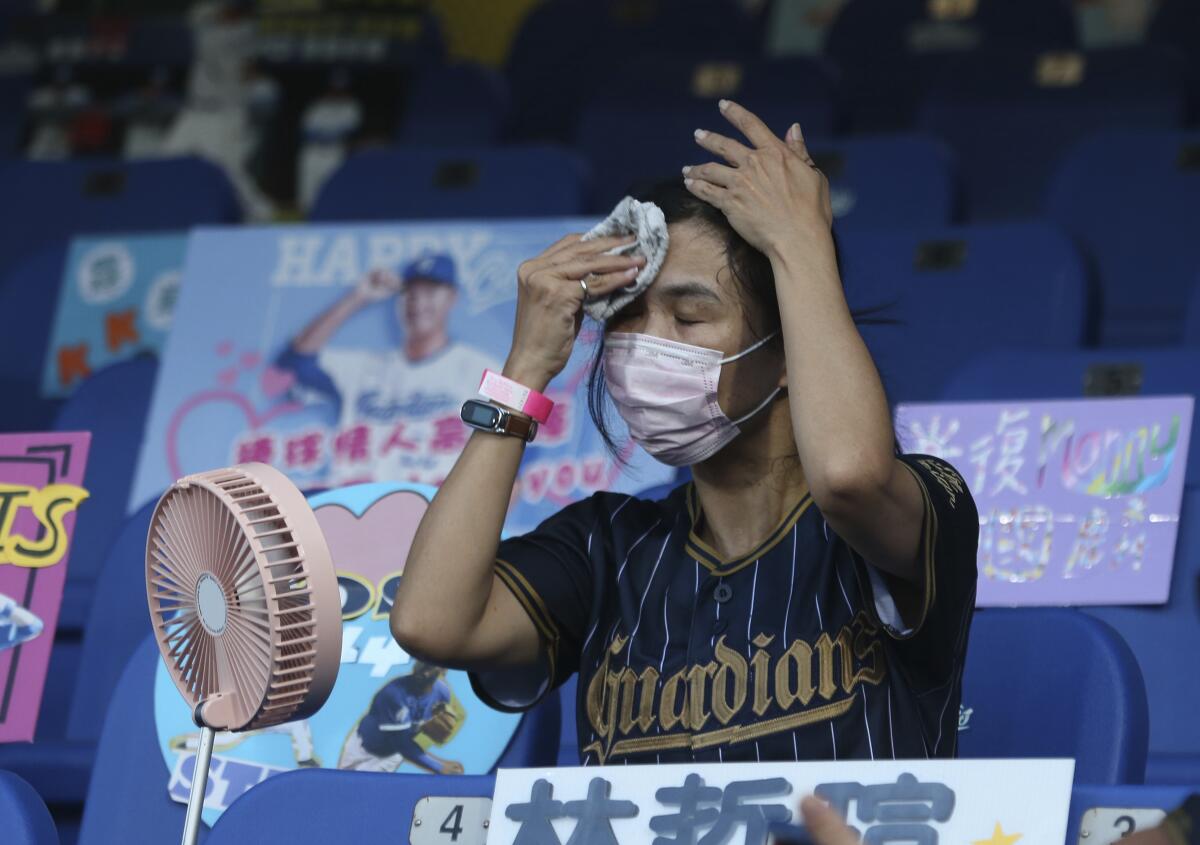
(239, 583)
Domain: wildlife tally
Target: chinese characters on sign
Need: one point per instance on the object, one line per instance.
(922, 802)
(1078, 500)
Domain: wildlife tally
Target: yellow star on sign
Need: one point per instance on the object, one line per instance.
(999, 837)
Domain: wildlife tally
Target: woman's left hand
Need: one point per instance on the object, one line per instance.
(769, 191)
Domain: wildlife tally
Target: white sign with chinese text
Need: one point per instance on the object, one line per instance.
(972, 802)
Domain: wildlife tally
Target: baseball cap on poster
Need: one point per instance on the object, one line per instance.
(433, 267)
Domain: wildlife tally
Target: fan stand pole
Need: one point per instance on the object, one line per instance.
(191, 825)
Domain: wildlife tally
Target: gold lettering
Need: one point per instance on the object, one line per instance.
(732, 668)
(649, 681)
(601, 699)
(760, 664)
(697, 678)
(668, 715)
(825, 647)
(846, 648)
(866, 644)
(799, 655)
(629, 684)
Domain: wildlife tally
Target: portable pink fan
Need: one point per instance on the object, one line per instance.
(245, 605)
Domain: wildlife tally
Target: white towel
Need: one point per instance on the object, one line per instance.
(630, 217)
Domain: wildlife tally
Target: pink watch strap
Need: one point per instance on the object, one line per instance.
(517, 396)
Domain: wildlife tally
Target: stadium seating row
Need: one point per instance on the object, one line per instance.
(127, 800)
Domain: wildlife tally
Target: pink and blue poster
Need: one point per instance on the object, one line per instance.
(41, 486)
(342, 354)
(1079, 500)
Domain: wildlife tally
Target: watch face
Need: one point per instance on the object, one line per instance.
(480, 415)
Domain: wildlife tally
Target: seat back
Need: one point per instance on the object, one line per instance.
(1191, 328)
(117, 623)
(117, 428)
(564, 51)
(428, 183)
(127, 798)
(887, 50)
(28, 296)
(1011, 373)
(46, 201)
(1137, 224)
(638, 129)
(23, 814)
(1054, 682)
(322, 806)
(1010, 116)
(447, 104)
(1087, 797)
(952, 292)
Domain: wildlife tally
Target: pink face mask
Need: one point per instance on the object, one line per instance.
(667, 394)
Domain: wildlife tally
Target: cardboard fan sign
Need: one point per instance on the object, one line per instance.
(1079, 500)
(41, 486)
(387, 712)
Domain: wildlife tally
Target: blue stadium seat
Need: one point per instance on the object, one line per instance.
(565, 51)
(454, 104)
(83, 676)
(1031, 374)
(47, 201)
(1191, 327)
(1011, 373)
(23, 815)
(1177, 26)
(321, 806)
(1054, 682)
(28, 296)
(638, 128)
(953, 292)
(116, 429)
(14, 90)
(888, 180)
(1131, 797)
(887, 50)
(445, 183)
(127, 798)
(1131, 199)
(1011, 115)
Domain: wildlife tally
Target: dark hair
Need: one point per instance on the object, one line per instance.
(749, 267)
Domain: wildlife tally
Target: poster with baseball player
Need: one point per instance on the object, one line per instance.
(387, 712)
(343, 353)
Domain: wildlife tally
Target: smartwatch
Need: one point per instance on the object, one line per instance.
(492, 418)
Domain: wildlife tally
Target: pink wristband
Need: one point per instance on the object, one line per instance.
(508, 392)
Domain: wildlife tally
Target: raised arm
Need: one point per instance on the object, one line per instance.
(376, 286)
(450, 608)
(778, 200)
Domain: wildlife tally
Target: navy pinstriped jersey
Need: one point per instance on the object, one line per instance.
(794, 651)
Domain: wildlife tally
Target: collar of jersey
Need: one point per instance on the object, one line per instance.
(711, 560)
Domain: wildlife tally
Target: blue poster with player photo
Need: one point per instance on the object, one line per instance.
(343, 353)
(116, 300)
(387, 712)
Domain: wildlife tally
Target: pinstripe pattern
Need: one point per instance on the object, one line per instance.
(777, 654)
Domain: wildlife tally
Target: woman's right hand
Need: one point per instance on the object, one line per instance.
(550, 302)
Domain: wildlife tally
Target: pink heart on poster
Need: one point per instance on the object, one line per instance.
(275, 381)
(227, 377)
(375, 544)
(255, 420)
